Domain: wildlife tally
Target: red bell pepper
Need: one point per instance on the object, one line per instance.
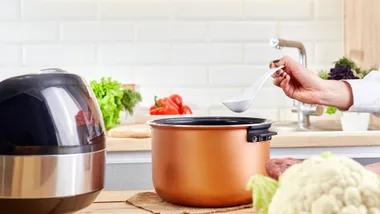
(176, 99)
(163, 106)
(186, 110)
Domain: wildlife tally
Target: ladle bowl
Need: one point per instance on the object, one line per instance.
(243, 102)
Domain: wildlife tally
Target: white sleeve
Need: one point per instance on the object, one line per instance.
(366, 94)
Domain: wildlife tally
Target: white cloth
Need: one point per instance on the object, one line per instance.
(366, 94)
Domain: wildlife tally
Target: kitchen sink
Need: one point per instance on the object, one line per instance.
(287, 127)
(316, 126)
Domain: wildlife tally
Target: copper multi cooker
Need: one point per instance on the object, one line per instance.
(208, 161)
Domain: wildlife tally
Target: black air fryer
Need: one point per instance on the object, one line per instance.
(52, 144)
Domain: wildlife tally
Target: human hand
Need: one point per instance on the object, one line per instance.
(296, 81)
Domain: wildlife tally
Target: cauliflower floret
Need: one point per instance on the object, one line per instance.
(327, 185)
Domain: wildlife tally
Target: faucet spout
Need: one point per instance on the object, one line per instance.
(281, 43)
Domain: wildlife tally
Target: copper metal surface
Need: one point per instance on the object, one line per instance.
(205, 167)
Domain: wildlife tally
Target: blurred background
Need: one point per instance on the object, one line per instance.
(204, 50)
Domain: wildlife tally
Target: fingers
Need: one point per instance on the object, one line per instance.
(285, 85)
(289, 64)
(272, 63)
(285, 61)
(280, 78)
(277, 81)
(278, 73)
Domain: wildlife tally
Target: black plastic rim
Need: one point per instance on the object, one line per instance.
(211, 122)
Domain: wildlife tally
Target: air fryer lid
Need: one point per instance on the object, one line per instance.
(50, 77)
(48, 113)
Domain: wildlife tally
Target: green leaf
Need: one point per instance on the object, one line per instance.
(108, 94)
(327, 154)
(263, 188)
(323, 75)
(346, 61)
(130, 99)
(331, 110)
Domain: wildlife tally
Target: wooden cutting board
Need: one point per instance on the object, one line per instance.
(130, 131)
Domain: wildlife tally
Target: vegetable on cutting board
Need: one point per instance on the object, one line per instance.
(171, 105)
(325, 184)
(112, 99)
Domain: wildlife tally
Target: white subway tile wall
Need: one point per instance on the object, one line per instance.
(204, 50)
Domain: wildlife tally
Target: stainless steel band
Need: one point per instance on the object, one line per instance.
(51, 175)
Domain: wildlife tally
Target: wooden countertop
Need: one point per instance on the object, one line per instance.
(114, 202)
(128, 144)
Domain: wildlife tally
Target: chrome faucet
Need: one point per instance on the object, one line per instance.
(303, 110)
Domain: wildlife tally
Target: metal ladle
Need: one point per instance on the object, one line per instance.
(245, 100)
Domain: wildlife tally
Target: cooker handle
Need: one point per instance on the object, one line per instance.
(258, 135)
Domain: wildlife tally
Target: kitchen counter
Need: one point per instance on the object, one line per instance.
(128, 144)
(114, 202)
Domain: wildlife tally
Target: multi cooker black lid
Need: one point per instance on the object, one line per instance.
(45, 78)
(49, 113)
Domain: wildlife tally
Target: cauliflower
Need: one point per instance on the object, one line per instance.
(326, 184)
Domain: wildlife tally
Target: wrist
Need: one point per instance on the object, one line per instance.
(336, 94)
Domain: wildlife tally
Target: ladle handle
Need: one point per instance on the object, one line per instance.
(256, 86)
